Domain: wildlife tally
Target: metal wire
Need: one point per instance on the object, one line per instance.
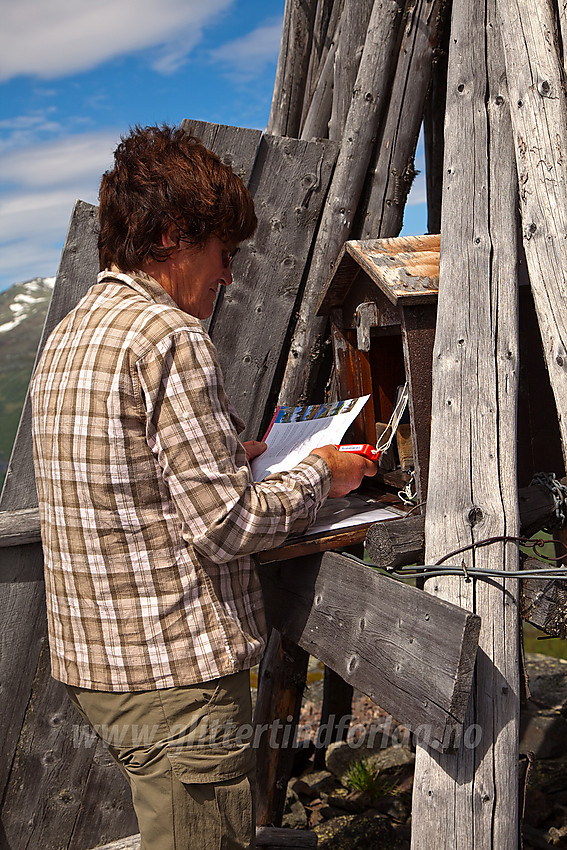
(431, 570)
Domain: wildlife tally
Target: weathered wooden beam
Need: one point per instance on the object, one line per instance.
(398, 542)
(469, 799)
(271, 838)
(539, 117)
(22, 592)
(433, 127)
(293, 67)
(354, 23)
(19, 527)
(544, 602)
(324, 34)
(369, 98)
(410, 652)
(316, 123)
(280, 688)
(392, 165)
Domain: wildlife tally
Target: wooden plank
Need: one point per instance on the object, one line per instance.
(22, 593)
(19, 527)
(45, 795)
(418, 338)
(293, 67)
(539, 117)
(407, 650)
(325, 32)
(280, 688)
(289, 185)
(470, 799)
(271, 838)
(78, 267)
(235, 146)
(316, 124)
(362, 124)
(544, 602)
(398, 542)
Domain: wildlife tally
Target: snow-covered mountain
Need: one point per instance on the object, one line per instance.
(22, 313)
(22, 301)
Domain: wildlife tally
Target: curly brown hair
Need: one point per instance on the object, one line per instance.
(163, 176)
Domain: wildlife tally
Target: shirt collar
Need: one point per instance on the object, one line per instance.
(141, 282)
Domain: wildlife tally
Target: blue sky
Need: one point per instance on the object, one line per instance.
(75, 75)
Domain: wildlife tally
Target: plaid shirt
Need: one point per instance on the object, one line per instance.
(149, 512)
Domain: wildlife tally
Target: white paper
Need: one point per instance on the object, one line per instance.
(351, 510)
(295, 431)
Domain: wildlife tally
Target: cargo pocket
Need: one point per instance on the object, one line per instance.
(218, 744)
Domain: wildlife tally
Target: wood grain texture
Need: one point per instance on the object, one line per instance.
(271, 838)
(407, 650)
(293, 67)
(22, 592)
(392, 164)
(367, 107)
(539, 118)
(19, 527)
(251, 322)
(235, 146)
(278, 703)
(354, 23)
(469, 799)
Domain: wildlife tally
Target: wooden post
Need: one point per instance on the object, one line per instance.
(470, 799)
(354, 23)
(539, 118)
(293, 65)
(280, 689)
(369, 98)
(392, 168)
(324, 32)
(433, 127)
(316, 124)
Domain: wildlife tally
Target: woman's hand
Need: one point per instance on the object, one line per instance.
(254, 448)
(347, 469)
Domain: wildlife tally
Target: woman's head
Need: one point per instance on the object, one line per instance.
(164, 178)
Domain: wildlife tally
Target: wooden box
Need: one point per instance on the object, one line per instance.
(382, 303)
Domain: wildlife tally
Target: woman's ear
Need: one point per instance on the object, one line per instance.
(170, 237)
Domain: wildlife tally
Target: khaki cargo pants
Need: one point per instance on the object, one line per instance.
(186, 752)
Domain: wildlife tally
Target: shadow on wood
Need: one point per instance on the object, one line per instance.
(406, 649)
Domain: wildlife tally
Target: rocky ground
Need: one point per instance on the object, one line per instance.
(377, 814)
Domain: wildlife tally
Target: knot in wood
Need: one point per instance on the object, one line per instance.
(544, 88)
(475, 515)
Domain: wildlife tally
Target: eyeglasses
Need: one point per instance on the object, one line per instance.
(228, 257)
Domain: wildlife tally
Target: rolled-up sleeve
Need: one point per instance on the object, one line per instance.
(224, 513)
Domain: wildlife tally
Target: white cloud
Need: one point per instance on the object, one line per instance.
(44, 181)
(51, 38)
(248, 54)
(63, 162)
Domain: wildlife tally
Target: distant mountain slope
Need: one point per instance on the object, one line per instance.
(22, 313)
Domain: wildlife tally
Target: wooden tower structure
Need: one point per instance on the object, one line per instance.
(356, 81)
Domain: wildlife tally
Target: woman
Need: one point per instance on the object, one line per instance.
(148, 508)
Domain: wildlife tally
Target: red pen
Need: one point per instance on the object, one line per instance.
(364, 449)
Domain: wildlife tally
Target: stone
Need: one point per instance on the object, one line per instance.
(341, 754)
(358, 832)
(295, 816)
(544, 733)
